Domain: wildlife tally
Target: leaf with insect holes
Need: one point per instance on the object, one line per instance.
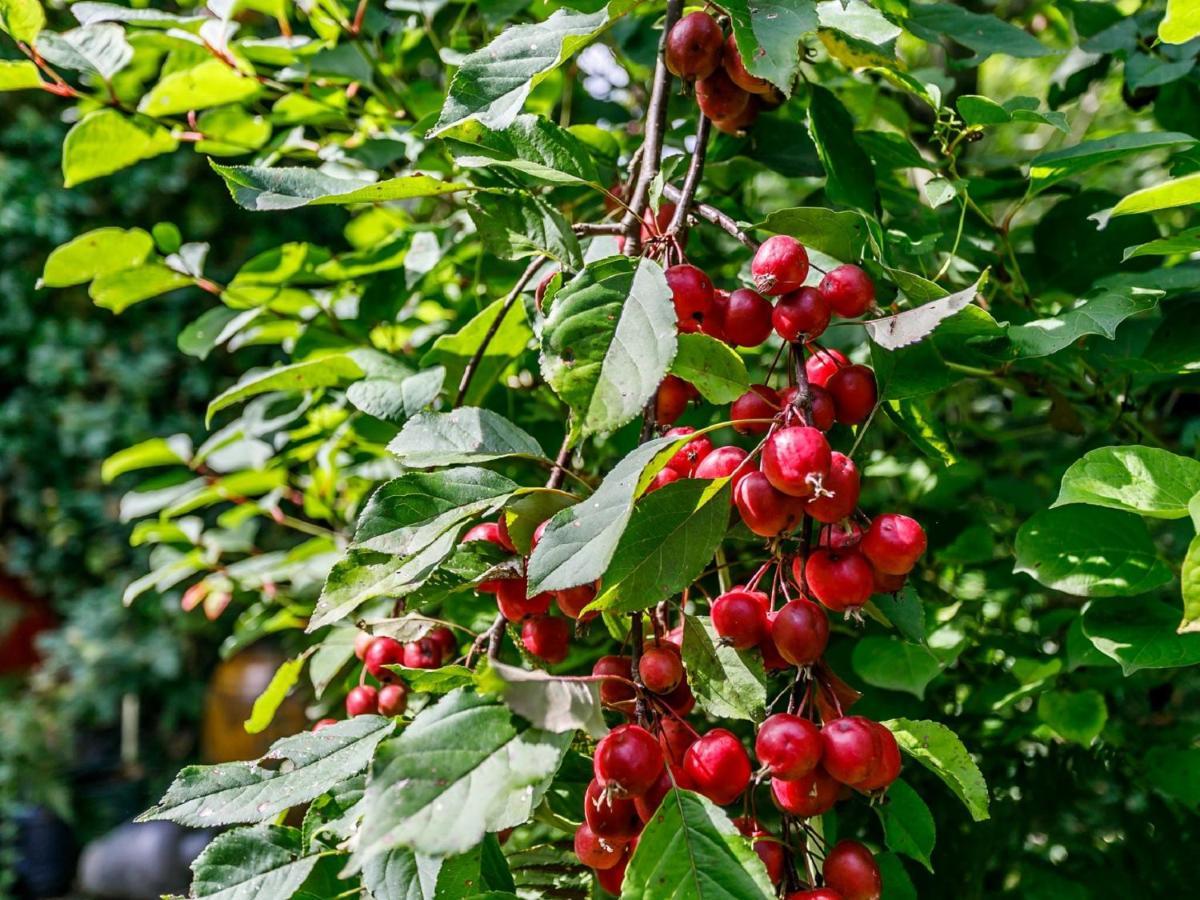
(910, 326)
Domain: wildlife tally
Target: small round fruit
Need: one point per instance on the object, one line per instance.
(796, 460)
(393, 699)
(773, 660)
(612, 879)
(854, 393)
(628, 761)
(675, 737)
(848, 290)
(424, 653)
(738, 617)
(844, 536)
(655, 222)
(610, 817)
(822, 364)
(718, 766)
(571, 601)
(851, 749)
(693, 47)
(513, 603)
(613, 691)
(682, 700)
(662, 479)
(747, 318)
(688, 456)
(362, 701)
(724, 462)
(842, 485)
(800, 631)
(647, 804)
(736, 125)
(812, 795)
(888, 584)
(771, 852)
(383, 651)
(362, 641)
(692, 294)
(893, 543)
(735, 67)
(714, 323)
(546, 637)
(502, 534)
(594, 851)
(719, 98)
(766, 511)
(672, 399)
(780, 266)
(841, 580)
(816, 894)
(490, 532)
(851, 870)
(760, 402)
(887, 765)
(802, 315)
(789, 746)
(824, 413)
(445, 639)
(661, 669)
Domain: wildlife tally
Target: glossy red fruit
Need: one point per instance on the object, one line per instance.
(647, 804)
(323, 723)
(546, 637)
(688, 456)
(719, 98)
(843, 536)
(693, 46)
(800, 631)
(841, 579)
(851, 749)
(675, 737)
(822, 364)
(737, 124)
(612, 878)
(851, 870)
(841, 486)
(672, 399)
(362, 701)
(723, 462)
(780, 266)
(796, 460)
(537, 535)
(654, 223)
(445, 639)
(747, 318)
(887, 764)
(612, 818)
(572, 601)
(818, 894)
(765, 510)
(789, 746)
(611, 690)
(682, 700)
(802, 315)
(813, 795)
(662, 479)
(848, 290)
(718, 766)
(661, 670)
(502, 534)
(383, 651)
(761, 403)
(514, 605)
(893, 543)
(714, 323)
(824, 413)
(628, 761)
(738, 617)
(854, 393)
(490, 532)
(735, 67)
(424, 653)
(888, 584)
(773, 660)
(692, 294)
(771, 852)
(362, 641)
(594, 851)
(393, 699)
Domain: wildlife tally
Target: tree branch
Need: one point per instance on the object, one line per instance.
(477, 357)
(687, 196)
(713, 215)
(560, 463)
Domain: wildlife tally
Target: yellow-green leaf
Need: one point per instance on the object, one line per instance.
(105, 141)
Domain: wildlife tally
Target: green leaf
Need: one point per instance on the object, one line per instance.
(251, 862)
(22, 19)
(172, 451)
(727, 683)
(913, 325)
(395, 400)
(895, 665)
(294, 771)
(553, 704)
(1051, 168)
(329, 657)
(690, 850)
(309, 374)
(231, 131)
(105, 141)
(463, 767)
(1175, 773)
(531, 145)
(923, 428)
(400, 874)
(99, 49)
(117, 291)
(985, 34)
(896, 883)
(769, 33)
(264, 189)
(207, 84)
(905, 611)
(908, 825)
(88, 12)
(1189, 581)
(518, 226)
(267, 703)
(978, 110)
(1140, 635)
(1186, 241)
(18, 75)
(938, 748)
(842, 235)
(672, 536)
(464, 435)
(1100, 314)
(1183, 191)
(214, 328)
(714, 368)
(1074, 716)
(454, 351)
(1181, 23)
(1089, 552)
(608, 341)
(1143, 480)
(850, 178)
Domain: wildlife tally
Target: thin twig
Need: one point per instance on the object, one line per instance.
(560, 463)
(714, 216)
(598, 228)
(473, 365)
(490, 639)
(687, 195)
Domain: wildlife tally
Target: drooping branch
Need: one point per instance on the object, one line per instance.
(691, 182)
(714, 216)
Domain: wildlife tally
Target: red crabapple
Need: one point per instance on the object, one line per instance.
(613, 691)
(736, 69)
(393, 699)
(714, 323)
(739, 618)
(362, 701)
(723, 462)
(780, 265)
(445, 639)
(848, 290)
(854, 393)
(610, 817)
(594, 851)
(661, 479)
(661, 669)
(546, 637)
(887, 765)
(423, 653)
(796, 460)
(801, 315)
(759, 402)
(894, 543)
(747, 320)
(628, 760)
(718, 766)
(383, 651)
(513, 603)
(841, 580)
(842, 485)
(800, 631)
(693, 46)
(851, 749)
(789, 746)
(851, 870)
(812, 795)
(719, 98)
(672, 399)
(766, 511)
(815, 894)
(362, 641)
(690, 454)
(822, 364)
(692, 294)
(737, 124)
(571, 601)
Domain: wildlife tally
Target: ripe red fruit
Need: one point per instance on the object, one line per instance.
(800, 631)
(490, 532)
(893, 543)
(693, 46)
(594, 851)
(383, 651)
(662, 479)
(747, 318)
(675, 738)
(393, 699)
(842, 484)
(546, 637)
(719, 98)
(628, 761)
(445, 639)
(817, 894)
(735, 67)
(841, 580)
(672, 399)
(647, 804)
(681, 699)
(802, 315)
(822, 364)
(738, 617)
(661, 669)
(850, 869)
(824, 412)
(773, 660)
(714, 323)
(502, 534)
(537, 534)
(612, 878)
(723, 462)
(612, 691)
(848, 290)
(718, 766)
(688, 456)
(692, 294)
(514, 605)
(737, 124)
(854, 393)
(760, 402)
(851, 749)
(812, 795)
(572, 601)
(789, 746)
(844, 536)
(362, 641)
(771, 852)
(796, 460)
(612, 818)
(887, 765)
(425, 653)
(765, 510)
(362, 701)
(780, 266)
